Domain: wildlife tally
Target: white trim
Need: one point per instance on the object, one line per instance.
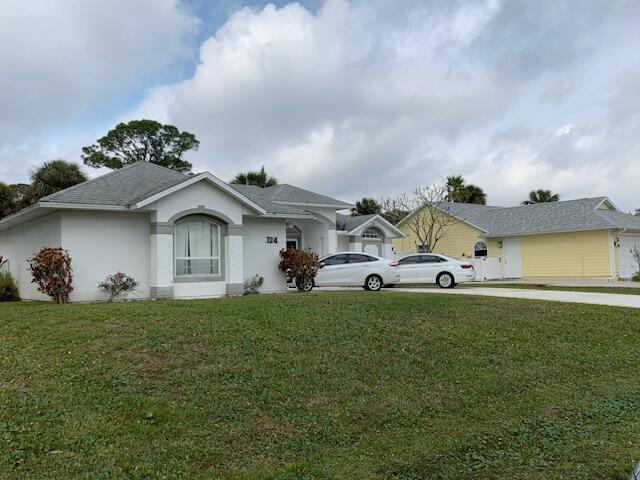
(197, 178)
(382, 220)
(501, 235)
(321, 205)
(612, 253)
(606, 199)
(284, 216)
(81, 206)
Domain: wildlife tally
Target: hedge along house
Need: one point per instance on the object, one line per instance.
(179, 236)
(587, 238)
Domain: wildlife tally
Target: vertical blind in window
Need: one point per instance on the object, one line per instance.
(197, 248)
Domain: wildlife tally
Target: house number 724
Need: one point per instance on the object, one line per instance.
(272, 239)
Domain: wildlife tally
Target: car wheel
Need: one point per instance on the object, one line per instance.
(445, 280)
(373, 283)
(307, 285)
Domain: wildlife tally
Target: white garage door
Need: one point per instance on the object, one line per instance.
(628, 265)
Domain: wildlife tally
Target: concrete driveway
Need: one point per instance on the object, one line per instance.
(610, 299)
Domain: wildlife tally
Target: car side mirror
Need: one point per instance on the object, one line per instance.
(321, 264)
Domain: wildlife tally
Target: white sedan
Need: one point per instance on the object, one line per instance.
(444, 271)
(356, 269)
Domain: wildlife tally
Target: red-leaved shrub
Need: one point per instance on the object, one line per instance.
(301, 265)
(52, 273)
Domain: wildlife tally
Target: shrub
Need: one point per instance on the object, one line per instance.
(117, 285)
(8, 288)
(252, 284)
(301, 265)
(635, 253)
(52, 273)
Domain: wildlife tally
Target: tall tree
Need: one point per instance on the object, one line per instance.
(6, 200)
(541, 196)
(52, 177)
(429, 220)
(142, 141)
(258, 179)
(366, 206)
(457, 190)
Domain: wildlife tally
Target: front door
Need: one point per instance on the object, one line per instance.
(292, 243)
(512, 258)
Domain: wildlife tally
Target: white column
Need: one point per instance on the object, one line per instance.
(234, 268)
(161, 261)
(332, 242)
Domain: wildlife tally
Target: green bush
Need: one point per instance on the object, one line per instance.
(8, 288)
(636, 277)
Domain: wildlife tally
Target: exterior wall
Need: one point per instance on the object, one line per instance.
(103, 243)
(21, 242)
(315, 235)
(574, 254)
(457, 243)
(261, 257)
(201, 194)
(343, 243)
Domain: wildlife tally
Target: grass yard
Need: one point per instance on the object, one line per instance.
(343, 385)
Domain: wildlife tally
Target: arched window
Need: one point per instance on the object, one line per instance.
(372, 232)
(197, 247)
(480, 250)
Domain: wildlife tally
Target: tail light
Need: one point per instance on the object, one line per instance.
(393, 264)
(466, 266)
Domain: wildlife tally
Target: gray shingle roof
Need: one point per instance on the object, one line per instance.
(122, 187)
(348, 223)
(254, 194)
(290, 194)
(570, 215)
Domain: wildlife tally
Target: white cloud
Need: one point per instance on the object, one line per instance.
(59, 59)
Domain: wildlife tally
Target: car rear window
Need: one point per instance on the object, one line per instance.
(360, 258)
(409, 260)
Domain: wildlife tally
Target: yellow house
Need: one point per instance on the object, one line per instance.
(588, 238)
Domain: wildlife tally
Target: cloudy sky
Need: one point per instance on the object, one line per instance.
(348, 98)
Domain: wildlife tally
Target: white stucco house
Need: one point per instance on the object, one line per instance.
(182, 236)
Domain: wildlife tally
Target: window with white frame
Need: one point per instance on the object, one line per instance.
(480, 250)
(372, 232)
(197, 247)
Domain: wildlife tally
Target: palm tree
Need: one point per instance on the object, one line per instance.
(54, 176)
(6, 200)
(458, 191)
(259, 179)
(366, 206)
(455, 183)
(541, 196)
(473, 194)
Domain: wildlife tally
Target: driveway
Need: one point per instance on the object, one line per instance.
(610, 299)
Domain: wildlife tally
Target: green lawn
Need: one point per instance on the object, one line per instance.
(306, 386)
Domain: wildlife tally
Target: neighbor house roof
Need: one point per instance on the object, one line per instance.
(552, 217)
(288, 194)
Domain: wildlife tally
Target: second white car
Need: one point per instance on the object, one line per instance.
(444, 271)
(356, 269)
